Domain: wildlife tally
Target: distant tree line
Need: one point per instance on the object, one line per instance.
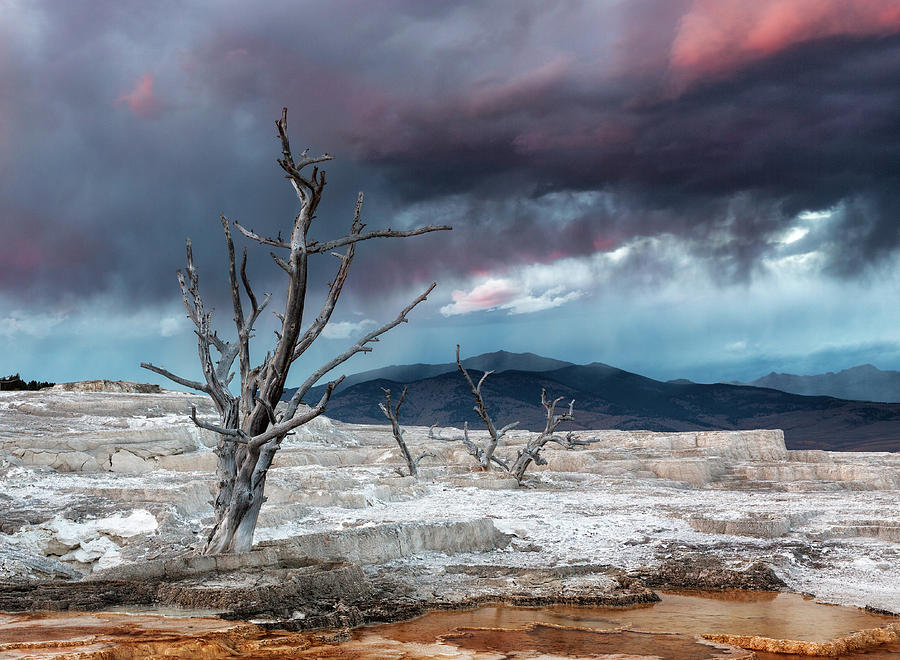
(15, 382)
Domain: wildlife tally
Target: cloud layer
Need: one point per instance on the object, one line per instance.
(576, 148)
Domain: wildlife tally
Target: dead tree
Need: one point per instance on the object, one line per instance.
(250, 430)
(484, 455)
(532, 450)
(439, 436)
(393, 414)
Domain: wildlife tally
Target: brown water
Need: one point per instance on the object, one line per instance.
(580, 642)
(668, 629)
(782, 616)
(575, 631)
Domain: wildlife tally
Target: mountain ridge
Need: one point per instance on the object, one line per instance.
(496, 360)
(607, 397)
(864, 382)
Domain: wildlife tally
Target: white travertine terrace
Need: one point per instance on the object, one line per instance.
(828, 523)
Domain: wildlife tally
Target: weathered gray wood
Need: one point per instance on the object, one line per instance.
(532, 450)
(484, 455)
(250, 433)
(393, 414)
(362, 346)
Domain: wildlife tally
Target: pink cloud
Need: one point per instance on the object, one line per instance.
(22, 255)
(491, 293)
(720, 35)
(514, 296)
(604, 244)
(521, 91)
(142, 100)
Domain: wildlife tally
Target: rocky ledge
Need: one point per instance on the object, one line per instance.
(308, 582)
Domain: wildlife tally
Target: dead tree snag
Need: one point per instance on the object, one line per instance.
(250, 429)
(393, 414)
(532, 450)
(484, 455)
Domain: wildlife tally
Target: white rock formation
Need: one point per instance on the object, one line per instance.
(88, 479)
(90, 431)
(91, 544)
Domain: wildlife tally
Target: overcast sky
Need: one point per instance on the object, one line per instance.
(707, 189)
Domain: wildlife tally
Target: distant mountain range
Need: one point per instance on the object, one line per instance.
(606, 397)
(862, 383)
(407, 373)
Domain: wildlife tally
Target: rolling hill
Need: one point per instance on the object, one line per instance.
(861, 383)
(407, 373)
(606, 397)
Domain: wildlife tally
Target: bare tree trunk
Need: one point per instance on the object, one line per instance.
(234, 532)
(250, 433)
(484, 455)
(523, 461)
(532, 450)
(226, 469)
(393, 414)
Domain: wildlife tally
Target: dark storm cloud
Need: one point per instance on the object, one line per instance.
(803, 129)
(124, 129)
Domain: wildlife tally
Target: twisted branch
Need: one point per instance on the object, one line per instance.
(486, 455)
(359, 347)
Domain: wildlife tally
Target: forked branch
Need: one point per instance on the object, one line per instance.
(392, 412)
(531, 452)
(362, 346)
(289, 424)
(478, 453)
(216, 375)
(317, 247)
(485, 455)
(334, 289)
(570, 441)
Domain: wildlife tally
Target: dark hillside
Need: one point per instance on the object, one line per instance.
(606, 398)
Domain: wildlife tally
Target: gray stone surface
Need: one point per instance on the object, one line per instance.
(382, 543)
(93, 430)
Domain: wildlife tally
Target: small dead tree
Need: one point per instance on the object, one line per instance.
(250, 430)
(484, 455)
(393, 414)
(532, 450)
(451, 437)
